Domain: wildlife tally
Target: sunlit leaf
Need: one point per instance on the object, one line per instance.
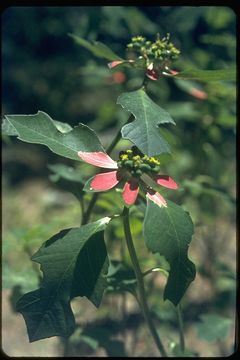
(41, 129)
(144, 130)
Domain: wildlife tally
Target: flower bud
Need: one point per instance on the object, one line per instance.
(145, 167)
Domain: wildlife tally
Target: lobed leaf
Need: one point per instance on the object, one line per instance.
(144, 130)
(74, 263)
(41, 129)
(44, 316)
(168, 231)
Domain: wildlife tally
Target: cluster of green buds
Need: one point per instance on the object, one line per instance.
(161, 51)
(137, 163)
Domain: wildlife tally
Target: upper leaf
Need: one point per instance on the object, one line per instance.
(97, 48)
(41, 129)
(168, 231)
(208, 75)
(74, 263)
(144, 130)
(9, 129)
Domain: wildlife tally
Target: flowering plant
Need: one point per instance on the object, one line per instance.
(75, 262)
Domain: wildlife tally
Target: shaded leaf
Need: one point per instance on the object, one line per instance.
(168, 231)
(74, 263)
(213, 327)
(96, 47)
(177, 352)
(103, 337)
(144, 130)
(41, 129)
(208, 75)
(46, 316)
(121, 277)
(66, 172)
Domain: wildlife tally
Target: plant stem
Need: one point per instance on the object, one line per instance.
(180, 328)
(140, 283)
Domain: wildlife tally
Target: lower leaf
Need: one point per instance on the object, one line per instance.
(168, 231)
(74, 263)
(45, 316)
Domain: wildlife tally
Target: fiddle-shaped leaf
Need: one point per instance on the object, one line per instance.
(74, 263)
(168, 231)
(144, 130)
(41, 129)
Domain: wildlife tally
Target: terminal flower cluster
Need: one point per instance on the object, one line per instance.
(155, 57)
(130, 167)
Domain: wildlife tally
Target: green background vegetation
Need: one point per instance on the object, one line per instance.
(43, 69)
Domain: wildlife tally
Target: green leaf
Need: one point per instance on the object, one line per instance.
(208, 75)
(46, 316)
(8, 128)
(41, 129)
(121, 277)
(177, 352)
(213, 327)
(168, 231)
(74, 263)
(62, 171)
(144, 130)
(97, 48)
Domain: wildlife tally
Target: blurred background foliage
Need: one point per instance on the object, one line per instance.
(44, 69)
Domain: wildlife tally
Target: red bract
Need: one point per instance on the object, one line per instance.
(151, 73)
(108, 180)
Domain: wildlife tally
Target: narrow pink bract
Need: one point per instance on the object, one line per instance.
(105, 181)
(130, 192)
(166, 181)
(114, 63)
(99, 159)
(156, 198)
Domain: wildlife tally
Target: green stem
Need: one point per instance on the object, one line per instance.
(180, 327)
(140, 283)
(87, 214)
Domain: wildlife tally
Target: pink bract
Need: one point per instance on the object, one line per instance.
(114, 63)
(99, 159)
(130, 192)
(166, 181)
(156, 198)
(105, 181)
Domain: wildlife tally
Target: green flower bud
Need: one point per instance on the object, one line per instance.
(145, 167)
(138, 172)
(156, 169)
(128, 164)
